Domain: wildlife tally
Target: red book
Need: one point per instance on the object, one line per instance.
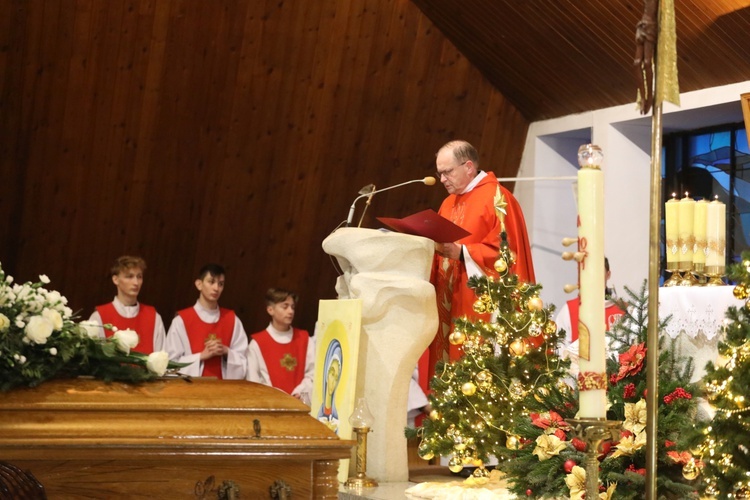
(428, 224)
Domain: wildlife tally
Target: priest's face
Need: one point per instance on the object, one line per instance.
(454, 175)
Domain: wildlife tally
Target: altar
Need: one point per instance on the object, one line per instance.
(698, 316)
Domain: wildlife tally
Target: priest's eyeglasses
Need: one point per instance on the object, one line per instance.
(448, 171)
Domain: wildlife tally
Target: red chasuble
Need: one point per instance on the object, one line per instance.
(285, 362)
(475, 212)
(612, 314)
(199, 332)
(143, 324)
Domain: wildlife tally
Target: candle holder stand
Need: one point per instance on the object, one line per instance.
(593, 431)
(674, 279)
(360, 479)
(687, 278)
(699, 271)
(715, 275)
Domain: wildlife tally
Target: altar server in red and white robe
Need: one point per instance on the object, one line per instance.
(282, 356)
(125, 312)
(567, 319)
(209, 337)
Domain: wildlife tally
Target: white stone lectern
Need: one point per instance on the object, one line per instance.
(390, 272)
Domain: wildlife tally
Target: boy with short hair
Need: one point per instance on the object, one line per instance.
(282, 356)
(125, 312)
(209, 337)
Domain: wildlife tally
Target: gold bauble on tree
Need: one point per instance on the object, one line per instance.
(742, 491)
(517, 348)
(512, 442)
(469, 388)
(483, 379)
(501, 266)
(690, 470)
(455, 465)
(550, 327)
(457, 337)
(424, 451)
(740, 291)
(434, 415)
(541, 394)
(480, 307)
(535, 304)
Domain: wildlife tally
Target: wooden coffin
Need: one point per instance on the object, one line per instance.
(168, 439)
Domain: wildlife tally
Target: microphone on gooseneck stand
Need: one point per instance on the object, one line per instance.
(428, 181)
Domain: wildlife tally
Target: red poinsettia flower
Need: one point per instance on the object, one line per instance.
(547, 420)
(632, 468)
(680, 457)
(631, 361)
(669, 444)
(628, 391)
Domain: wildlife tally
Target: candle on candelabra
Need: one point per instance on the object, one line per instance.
(716, 237)
(592, 376)
(700, 224)
(671, 221)
(685, 239)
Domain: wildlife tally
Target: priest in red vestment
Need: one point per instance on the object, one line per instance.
(470, 205)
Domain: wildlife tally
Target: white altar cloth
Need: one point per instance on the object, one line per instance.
(698, 315)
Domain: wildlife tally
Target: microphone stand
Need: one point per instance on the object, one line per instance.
(426, 180)
(367, 204)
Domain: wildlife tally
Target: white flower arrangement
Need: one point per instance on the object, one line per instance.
(40, 340)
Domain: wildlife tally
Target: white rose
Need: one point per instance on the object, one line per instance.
(9, 279)
(54, 317)
(53, 351)
(43, 278)
(4, 322)
(54, 297)
(20, 323)
(92, 328)
(157, 362)
(39, 329)
(126, 340)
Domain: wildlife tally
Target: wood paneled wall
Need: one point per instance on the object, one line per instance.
(232, 131)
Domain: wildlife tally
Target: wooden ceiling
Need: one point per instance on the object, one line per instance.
(553, 58)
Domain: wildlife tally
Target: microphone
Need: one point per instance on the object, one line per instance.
(428, 181)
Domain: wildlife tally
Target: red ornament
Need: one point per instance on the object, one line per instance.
(568, 465)
(534, 342)
(578, 444)
(529, 492)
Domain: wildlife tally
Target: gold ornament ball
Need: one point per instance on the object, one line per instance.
(480, 307)
(541, 394)
(517, 348)
(486, 298)
(457, 337)
(535, 304)
(550, 327)
(481, 472)
(469, 388)
(434, 415)
(690, 471)
(501, 265)
(512, 442)
(483, 379)
(477, 463)
(742, 491)
(455, 465)
(740, 291)
(424, 451)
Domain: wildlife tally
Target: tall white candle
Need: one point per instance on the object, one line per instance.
(685, 239)
(700, 224)
(592, 401)
(671, 222)
(716, 237)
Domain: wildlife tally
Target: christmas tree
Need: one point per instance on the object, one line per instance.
(724, 441)
(506, 361)
(550, 463)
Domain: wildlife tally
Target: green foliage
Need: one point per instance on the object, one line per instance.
(546, 479)
(506, 363)
(724, 441)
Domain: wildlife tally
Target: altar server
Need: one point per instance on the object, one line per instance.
(209, 337)
(282, 356)
(125, 312)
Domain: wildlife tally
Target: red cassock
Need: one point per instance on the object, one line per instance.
(199, 332)
(475, 212)
(285, 362)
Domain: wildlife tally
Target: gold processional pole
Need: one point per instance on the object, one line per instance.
(665, 88)
(652, 341)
